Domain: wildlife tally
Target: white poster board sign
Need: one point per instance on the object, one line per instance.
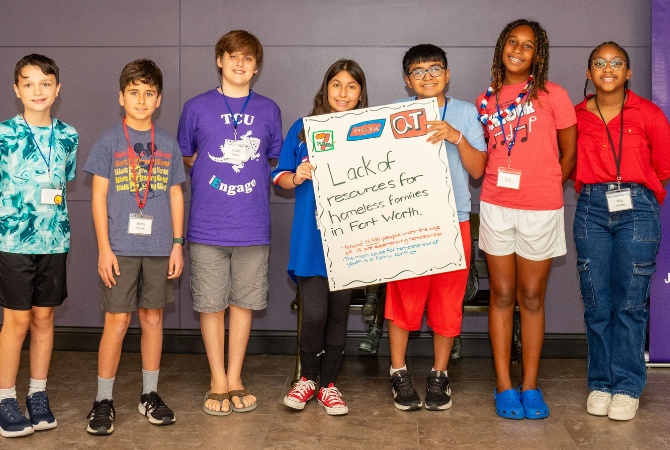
(384, 197)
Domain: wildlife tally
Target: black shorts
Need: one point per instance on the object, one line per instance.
(32, 280)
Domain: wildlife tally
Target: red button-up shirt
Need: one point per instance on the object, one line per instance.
(645, 153)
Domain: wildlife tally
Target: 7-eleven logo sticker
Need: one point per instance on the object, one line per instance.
(323, 141)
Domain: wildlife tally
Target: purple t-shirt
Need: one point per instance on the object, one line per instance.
(230, 180)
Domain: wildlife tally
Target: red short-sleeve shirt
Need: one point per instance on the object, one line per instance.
(535, 151)
(645, 156)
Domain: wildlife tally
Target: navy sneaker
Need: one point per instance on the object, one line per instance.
(39, 413)
(12, 422)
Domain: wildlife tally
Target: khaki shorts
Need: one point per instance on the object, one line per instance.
(534, 235)
(229, 275)
(143, 283)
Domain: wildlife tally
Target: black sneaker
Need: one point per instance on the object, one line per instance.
(154, 408)
(438, 391)
(101, 418)
(405, 396)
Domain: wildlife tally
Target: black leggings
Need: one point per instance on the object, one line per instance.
(323, 329)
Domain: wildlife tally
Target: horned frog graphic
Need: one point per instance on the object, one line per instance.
(252, 152)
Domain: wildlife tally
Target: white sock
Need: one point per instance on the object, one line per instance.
(37, 386)
(435, 370)
(8, 393)
(395, 370)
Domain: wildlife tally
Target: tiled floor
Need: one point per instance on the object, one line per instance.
(372, 423)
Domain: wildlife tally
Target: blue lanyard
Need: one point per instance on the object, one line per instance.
(51, 138)
(446, 103)
(231, 111)
(502, 128)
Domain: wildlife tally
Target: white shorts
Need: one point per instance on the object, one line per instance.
(534, 235)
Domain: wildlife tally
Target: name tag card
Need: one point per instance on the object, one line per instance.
(509, 178)
(235, 150)
(51, 196)
(619, 200)
(140, 224)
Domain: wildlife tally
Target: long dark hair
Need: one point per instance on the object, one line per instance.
(321, 105)
(540, 67)
(605, 44)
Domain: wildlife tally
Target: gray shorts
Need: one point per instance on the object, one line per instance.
(143, 283)
(229, 275)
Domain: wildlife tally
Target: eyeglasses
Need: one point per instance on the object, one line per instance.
(615, 64)
(419, 74)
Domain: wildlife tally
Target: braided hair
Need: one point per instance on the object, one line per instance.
(540, 67)
(606, 44)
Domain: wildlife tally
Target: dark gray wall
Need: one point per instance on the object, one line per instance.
(92, 40)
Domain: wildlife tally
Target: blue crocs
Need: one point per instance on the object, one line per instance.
(508, 405)
(12, 421)
(533, 404)
(39, 413)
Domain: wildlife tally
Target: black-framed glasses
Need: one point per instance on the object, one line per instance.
(419, 74)
(615, 64)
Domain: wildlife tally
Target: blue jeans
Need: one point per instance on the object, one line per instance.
(616, 257)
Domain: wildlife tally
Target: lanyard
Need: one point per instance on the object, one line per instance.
(51, 138)
(616, 160)
(446, 103)
(132, 164)
(502, 127)
(231, 111)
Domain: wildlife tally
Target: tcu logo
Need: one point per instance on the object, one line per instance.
(409, 123)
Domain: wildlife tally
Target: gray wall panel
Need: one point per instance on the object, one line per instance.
(91, 41)
(400, 23)
(80, 23)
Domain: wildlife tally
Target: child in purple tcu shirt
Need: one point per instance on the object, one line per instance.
(226, 136)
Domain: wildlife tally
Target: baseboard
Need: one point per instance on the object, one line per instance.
(263, 342)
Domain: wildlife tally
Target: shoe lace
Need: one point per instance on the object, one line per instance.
(332, 396)
(11, 408)
(101, 409)
(155, 401)
(437, 383)
(302, 388)
(403, 384)
(39, 402)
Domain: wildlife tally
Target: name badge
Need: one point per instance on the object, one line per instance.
(140, 224)
(235, 150)
(619, 200)
(51, 196)
(509, 178)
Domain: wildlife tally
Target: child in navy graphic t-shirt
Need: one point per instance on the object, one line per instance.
(226, 136)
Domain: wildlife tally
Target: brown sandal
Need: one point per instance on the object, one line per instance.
(219, 398)
(241, 394)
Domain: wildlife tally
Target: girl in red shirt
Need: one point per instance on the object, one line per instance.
(623, 164)
(530, 125)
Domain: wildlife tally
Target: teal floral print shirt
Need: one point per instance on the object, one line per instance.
(26, 225)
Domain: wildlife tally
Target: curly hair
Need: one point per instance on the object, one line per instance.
(321, 105)
(593, 52)
(540, 67)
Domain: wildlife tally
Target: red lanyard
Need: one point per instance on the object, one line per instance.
(132, 163)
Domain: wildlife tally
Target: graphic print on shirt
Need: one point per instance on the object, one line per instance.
(509, 123)
(237, 152)
(141, 157)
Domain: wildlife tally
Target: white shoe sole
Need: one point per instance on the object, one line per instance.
(25, 432)
(438, 407)
(337, 411)
(411, 407)
(624, 415)
(166, 421)
(101, 431)
(294, 404)
(43, 425)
